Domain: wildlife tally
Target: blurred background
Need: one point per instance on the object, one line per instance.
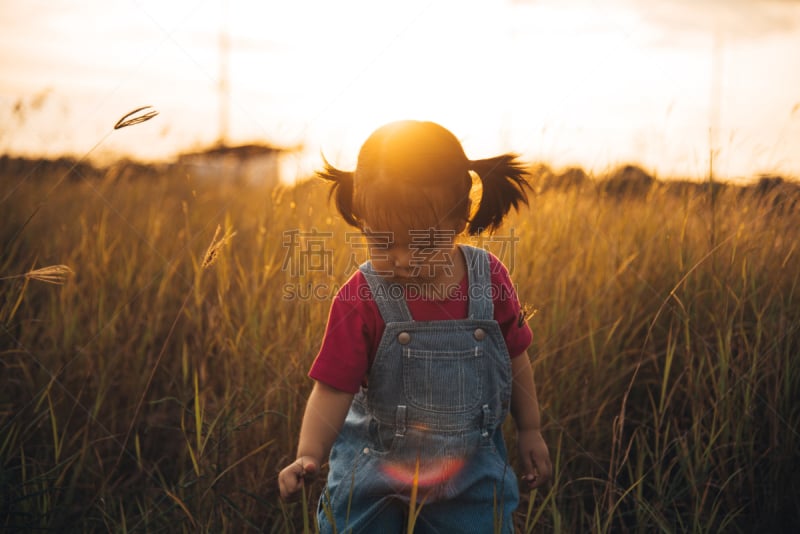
(161, 302)
(665, 85)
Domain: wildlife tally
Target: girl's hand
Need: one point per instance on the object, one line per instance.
(534, 458)
(325, 412)
(292, 477)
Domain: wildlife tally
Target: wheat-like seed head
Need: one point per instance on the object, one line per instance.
(213, 249)
(54, 274)
(130, 118)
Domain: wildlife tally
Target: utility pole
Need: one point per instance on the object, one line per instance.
(714, 106)
(224, 85)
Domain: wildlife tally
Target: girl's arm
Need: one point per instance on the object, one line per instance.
(534, 456)
(323, 418)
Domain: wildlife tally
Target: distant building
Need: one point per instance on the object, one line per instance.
(253, 164)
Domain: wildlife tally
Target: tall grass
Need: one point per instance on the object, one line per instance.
(157, 390)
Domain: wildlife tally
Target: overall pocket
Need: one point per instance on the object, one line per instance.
(444, 381)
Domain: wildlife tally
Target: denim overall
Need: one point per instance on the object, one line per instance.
(437, 395)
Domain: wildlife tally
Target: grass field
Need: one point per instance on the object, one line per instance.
(160, 387)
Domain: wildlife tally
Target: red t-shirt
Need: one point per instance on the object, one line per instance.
(355, 325)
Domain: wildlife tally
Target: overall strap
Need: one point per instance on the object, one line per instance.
(388, 296)
(481, 305)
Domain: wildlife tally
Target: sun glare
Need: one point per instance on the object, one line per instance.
(436, 471)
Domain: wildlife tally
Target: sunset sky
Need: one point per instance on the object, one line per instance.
(658, 83)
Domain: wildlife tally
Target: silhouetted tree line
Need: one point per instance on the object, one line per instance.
(624, 182)
(631, 181)
(77, 169)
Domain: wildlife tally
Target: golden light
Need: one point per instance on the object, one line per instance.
(572, 82)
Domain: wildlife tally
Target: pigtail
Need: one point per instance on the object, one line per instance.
(341, 190)
(505, 185)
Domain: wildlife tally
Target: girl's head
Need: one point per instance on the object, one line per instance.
(414, 175)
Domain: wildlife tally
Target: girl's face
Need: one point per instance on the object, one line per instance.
(409, 256)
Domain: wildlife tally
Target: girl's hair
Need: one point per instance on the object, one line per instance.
(416, 175)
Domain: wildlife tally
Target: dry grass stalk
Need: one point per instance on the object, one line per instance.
(53, 274)
(129, 119)
(216, 245)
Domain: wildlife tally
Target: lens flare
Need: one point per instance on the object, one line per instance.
(432, 471)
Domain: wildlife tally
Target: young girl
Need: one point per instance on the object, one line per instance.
(425, 351)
